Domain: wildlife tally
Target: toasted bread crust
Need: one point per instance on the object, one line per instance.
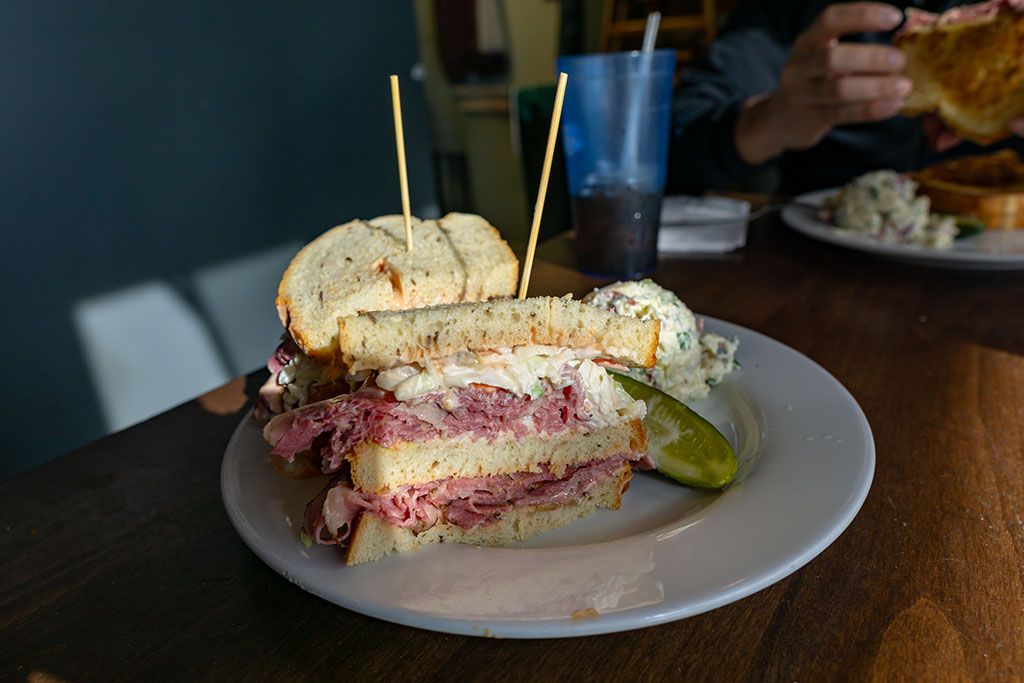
(364, 266)
(988, 186)
(373, 538)
(384, 339)
(375, 469)
(967, 65)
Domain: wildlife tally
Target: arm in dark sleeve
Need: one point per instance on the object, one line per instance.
(744, 61)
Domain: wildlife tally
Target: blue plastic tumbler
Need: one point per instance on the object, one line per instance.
(615, 131)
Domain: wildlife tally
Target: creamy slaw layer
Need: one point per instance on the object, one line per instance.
(521, 371)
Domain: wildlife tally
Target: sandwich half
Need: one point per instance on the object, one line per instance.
(967, 65)
(479, 423)
(988, 186)
(364, 266)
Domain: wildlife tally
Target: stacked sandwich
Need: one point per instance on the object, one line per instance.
(481, 423)
(364, 266)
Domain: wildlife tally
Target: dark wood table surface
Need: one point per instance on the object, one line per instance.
(119, 563)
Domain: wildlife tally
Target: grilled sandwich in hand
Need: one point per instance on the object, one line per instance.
(967, 65)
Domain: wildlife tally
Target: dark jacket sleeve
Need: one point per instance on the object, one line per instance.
(745, 60)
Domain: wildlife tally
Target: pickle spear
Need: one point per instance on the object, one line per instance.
(683, 445)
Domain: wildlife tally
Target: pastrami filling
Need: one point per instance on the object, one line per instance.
(467, 502)
(331, 429)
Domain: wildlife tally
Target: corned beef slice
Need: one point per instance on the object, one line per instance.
(467, 502)
(957, 15)
(333, 427)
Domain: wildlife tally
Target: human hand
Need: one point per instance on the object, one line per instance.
(826, 83)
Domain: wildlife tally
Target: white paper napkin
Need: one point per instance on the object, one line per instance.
(707, 228)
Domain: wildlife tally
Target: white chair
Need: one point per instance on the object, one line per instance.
(238, 299)
(147, 350)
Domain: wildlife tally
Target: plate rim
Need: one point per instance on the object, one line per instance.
(796, 218)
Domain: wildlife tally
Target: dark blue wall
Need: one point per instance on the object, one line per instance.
(144, 140)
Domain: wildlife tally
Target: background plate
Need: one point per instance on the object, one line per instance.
(990, 250)
(669, 552)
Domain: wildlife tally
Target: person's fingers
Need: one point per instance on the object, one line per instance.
(843, 18)
(939, 137)
(945, 139)
(859, 112)
(846, 58)
(1016, 127)
(834, 91)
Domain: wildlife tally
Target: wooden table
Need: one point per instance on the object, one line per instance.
(118, 560)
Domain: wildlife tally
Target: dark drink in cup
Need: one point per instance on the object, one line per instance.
(615, 131)
(617, 230)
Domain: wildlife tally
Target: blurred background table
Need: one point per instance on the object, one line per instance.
(119, 561)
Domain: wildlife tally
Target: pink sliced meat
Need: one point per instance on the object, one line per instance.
(956, 15)
(466, 502)
(332, 428)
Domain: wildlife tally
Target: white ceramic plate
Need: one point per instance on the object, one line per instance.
(807, 458)
(990, 250)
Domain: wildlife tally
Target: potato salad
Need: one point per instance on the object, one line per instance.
(689, 361)
(884, 205)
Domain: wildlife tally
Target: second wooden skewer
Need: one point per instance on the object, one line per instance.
(403, 178)
(538, 209)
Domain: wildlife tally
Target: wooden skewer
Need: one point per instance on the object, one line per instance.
(538, 209)
(403, 178)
